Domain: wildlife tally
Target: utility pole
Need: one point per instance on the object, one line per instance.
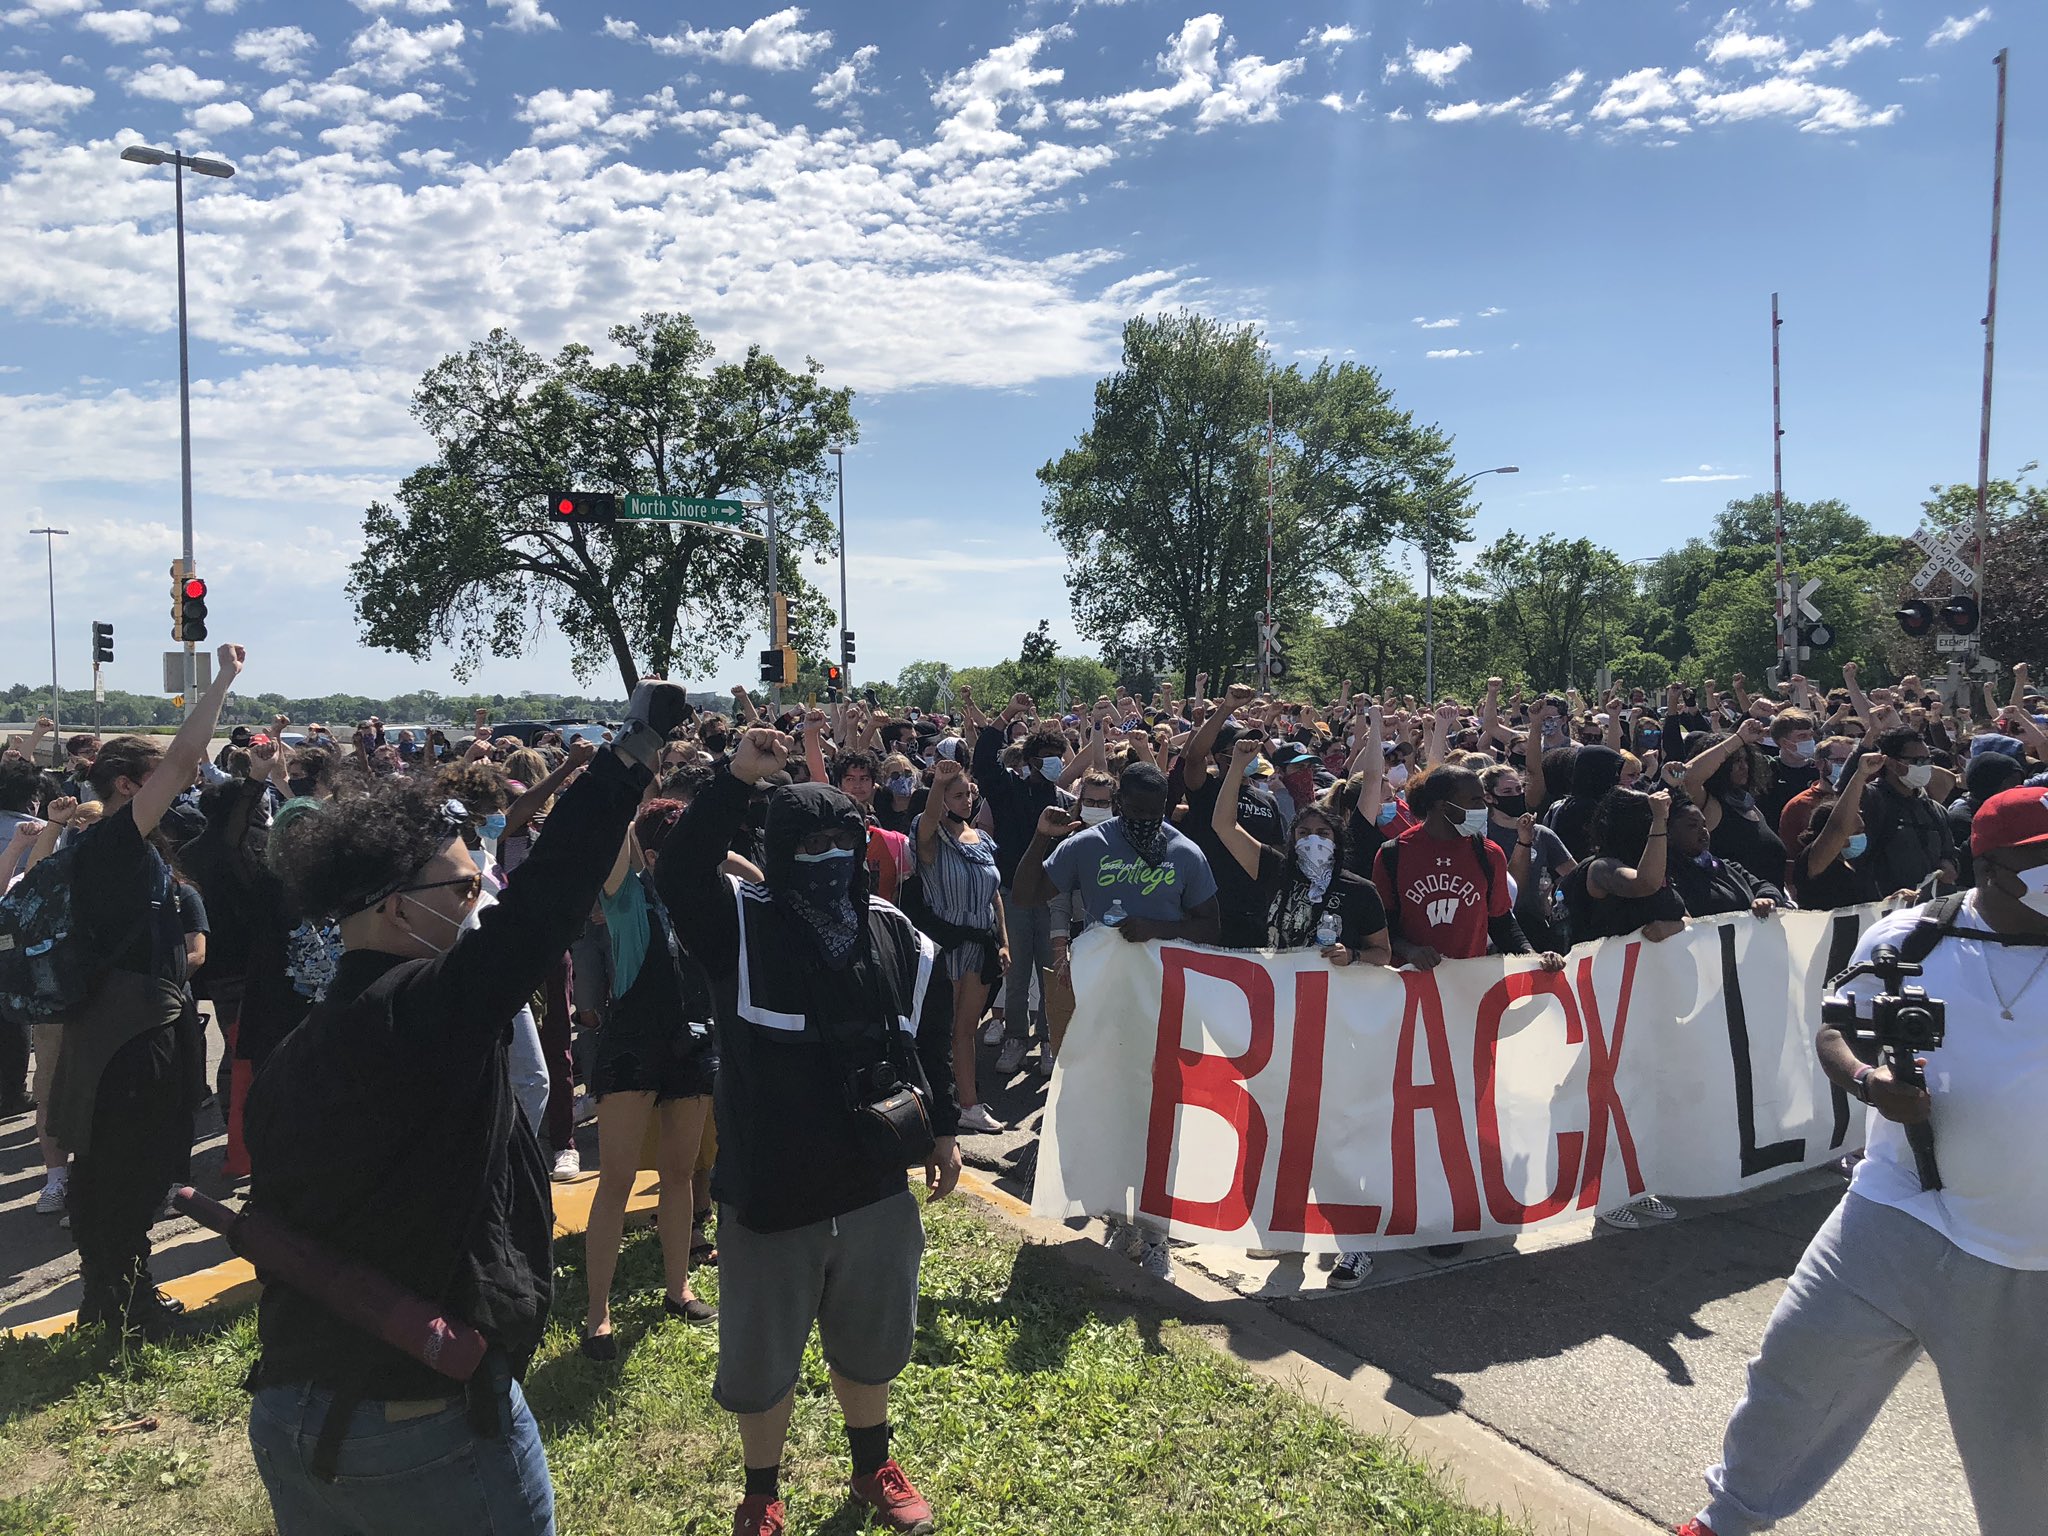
(1983, 525)
(1788, 648)
(777, 635)
(838, 452)
(50, 537)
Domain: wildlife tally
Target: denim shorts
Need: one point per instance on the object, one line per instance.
(403, 1467)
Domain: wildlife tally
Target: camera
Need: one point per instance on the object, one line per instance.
(1903, 1022)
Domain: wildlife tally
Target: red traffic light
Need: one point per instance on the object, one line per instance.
(565, 506)
(583, 506)
(195, 589)
(1916, 618)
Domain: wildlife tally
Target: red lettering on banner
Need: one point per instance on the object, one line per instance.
(1500, 1200)
(1199, 1080)
(1439, 1096)
(1603, 1102)
(1293, 1209)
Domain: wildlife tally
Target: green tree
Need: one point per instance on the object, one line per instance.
(1550, 600)
(1812, 528)
(920, 684)
(468, 557)
(1038, 662)
(1161, 505)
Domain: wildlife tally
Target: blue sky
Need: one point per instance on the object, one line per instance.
(1555, 227)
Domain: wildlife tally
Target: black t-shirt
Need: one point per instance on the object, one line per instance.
(122, 898)
(1841, 884)
(1787, 780)
(1609, 917)
(1718, 886)
(1240, 903)
(1292, 917)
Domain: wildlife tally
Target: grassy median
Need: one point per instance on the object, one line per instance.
(1034, 1405)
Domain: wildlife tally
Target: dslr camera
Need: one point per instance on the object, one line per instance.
(1903, 1022)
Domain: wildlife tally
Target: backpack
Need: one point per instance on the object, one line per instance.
(48, 965)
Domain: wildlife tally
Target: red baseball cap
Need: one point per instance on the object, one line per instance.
(2013, 818)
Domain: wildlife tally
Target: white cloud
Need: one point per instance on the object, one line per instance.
(1819, 108)
(222, 117)
(581, 113)
(773, 42)
(1466, 111)
(1450, 323)
(1449, 352)
(29, 12)
(1839, 52)
(525, 15)
(128, 26)
(173, 82)
(1954, 29)
(1732, 42)
(1706, 474)
(390, 53)
(1332, 37)
(411, 7)
(280, 50)
(1490, 311)
(35, 98)
(839, 85)
(1337, 101)
(1398, 115)
(1436, 65)
(1247, 90)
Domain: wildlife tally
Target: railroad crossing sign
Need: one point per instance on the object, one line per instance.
(1944, 554)
(1269, 647)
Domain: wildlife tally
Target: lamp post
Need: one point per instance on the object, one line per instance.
(838, 452)
(50, 537)
(142, 154)
(1429, 585)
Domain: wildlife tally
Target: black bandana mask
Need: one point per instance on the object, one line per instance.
(1147, 835)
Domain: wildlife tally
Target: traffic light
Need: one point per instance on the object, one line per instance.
(833, 678)
(771, 667)
(1959, 613)
(188, 605)
(1916, 618)
(583, 507)
(102, 643)
(846, 647)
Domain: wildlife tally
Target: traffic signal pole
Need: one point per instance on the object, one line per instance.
(185, 431)
(774, 598)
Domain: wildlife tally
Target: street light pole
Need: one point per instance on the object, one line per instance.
(1429, 585)
(50, 537)
(142, 154)
(838, 452)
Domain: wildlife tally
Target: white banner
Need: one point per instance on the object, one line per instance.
(1275, 1101)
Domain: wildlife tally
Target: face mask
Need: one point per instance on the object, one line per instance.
(1835, 771)
(900, 784)
(1397, 775)
(446, 922)
(1857, 843)
(494, 825)
(2036, 882)
(1739, 800)
(1142, 832)
(1388, 811)
(1051, 767)
(1918, 776)
(1095, 815)
(1798, 750)
(715, 744)
(1473, 822)
(823, 879)
(1255, 767)
(1514, 807)
(301, 788)
(1315, 853)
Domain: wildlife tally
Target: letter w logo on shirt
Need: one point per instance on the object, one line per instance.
(1445, 912)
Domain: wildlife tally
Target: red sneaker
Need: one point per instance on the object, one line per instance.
(1695, 1528)
(758, 1515)
(895, 1501)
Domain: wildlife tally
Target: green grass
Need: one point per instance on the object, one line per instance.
(1034, 1405)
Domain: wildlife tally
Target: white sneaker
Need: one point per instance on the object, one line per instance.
(977, 1119)
(1655, 1209)
(568, 1165)
(51, 1201)
(1155, 1260)
(1011, 1057)
(1351, 1270)
(992, 1032)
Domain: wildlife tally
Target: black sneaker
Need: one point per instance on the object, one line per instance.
(1351, 1270)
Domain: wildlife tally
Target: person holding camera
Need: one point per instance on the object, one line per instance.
(835, 1046)
(384, 1129)
(1956, 1265)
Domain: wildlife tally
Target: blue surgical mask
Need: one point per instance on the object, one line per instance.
(823, 879)
(494, 825)
(1856, 845)
(1388, 811)
(1051, 767)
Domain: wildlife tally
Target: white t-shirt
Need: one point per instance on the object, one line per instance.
(1989, 1082)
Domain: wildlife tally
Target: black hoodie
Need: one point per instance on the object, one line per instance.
(789, 1150)
(1595, 770)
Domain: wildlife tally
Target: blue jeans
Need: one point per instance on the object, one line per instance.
(402, 1469)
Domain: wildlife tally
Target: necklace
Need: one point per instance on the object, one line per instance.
(2006, 1005)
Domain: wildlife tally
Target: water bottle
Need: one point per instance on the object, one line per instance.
(1327, 931)
(1114, 917)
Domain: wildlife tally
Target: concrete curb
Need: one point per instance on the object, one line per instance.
(1489, 1470)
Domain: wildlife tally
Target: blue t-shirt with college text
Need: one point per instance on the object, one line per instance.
(1098, 865)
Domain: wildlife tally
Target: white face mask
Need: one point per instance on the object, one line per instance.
(2036, 882)
(1096, 815)
(1474, 823)
(1798, 750)
(1918, 776)
(1398, 775)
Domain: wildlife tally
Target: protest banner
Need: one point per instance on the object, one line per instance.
(1275, 1101)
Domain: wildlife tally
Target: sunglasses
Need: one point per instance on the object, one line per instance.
(472, 885)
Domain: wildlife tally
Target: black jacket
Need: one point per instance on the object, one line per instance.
(1015, 803)
(385, 1127)
(789, 1150)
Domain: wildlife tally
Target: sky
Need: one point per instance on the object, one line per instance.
(1554, 226)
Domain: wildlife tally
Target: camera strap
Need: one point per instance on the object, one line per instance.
(1940, 923)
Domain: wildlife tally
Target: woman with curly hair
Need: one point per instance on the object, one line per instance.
(385, 1128)
(1724, 776)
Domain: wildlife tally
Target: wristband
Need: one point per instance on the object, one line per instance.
(1863, 1076)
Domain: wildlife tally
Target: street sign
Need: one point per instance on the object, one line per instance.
(174, 671)
(1944, 554)
(681, 509)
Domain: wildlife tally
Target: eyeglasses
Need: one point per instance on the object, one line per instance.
(472, 886)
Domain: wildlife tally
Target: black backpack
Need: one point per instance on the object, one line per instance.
(49, 961)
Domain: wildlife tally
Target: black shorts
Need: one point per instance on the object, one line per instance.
(669, 1061)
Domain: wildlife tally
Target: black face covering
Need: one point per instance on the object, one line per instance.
(1514, 807)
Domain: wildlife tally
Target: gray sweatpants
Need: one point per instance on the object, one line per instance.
(1874, 1288)
(1030, 952)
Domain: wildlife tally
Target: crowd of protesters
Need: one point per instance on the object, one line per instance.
(457, 950)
